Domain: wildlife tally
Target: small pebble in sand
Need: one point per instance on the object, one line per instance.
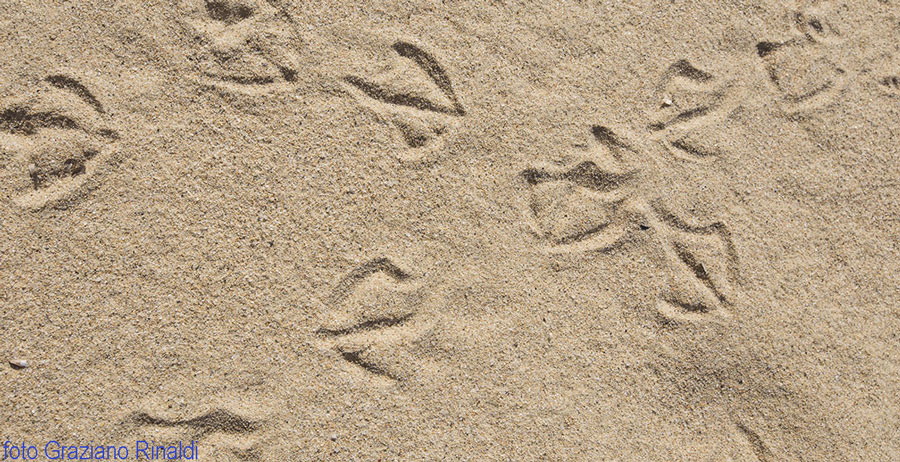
(18, 363)
(667, 102)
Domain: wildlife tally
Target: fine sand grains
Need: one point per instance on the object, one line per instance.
(582, 231)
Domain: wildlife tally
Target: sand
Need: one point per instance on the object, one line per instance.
(574, 231)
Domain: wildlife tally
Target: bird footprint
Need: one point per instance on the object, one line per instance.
(580, 206)
(594, 204)
(416, 96)
(693, 102)
(54, 143)
(223, 427)
(371, 314)
(243, 46)
(802, 67)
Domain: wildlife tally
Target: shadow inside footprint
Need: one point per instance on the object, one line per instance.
(217, 420)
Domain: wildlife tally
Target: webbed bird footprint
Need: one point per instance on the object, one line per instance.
(243, 46)
(54, 143)
(801, 68)
(415, 96)
(371, 316)
(702, 268)
(220, 433)
(581, 206)
(693, 103)
(594, 203)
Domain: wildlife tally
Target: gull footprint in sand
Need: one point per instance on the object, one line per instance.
(53, 143)
(579, 207)
(594, 205)
(703, 267)
(243, 46)
(220, 433)
(415, 96)
(371, 316)
(801, 67)
(694, 103)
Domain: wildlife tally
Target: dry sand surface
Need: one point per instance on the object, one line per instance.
(499, 230)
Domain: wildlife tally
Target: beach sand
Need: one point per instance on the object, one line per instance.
(574, 231)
